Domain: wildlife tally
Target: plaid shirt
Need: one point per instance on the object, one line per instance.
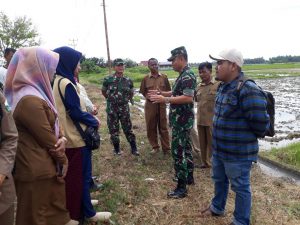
(240, 118)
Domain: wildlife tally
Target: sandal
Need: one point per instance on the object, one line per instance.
(208, 212)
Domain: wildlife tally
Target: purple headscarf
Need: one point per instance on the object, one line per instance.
(29, 73)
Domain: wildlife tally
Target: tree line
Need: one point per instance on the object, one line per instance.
(94, 64)
(272, 60)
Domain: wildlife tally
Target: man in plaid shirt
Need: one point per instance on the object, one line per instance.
(240, 118)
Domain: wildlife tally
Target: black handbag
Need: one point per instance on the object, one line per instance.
(90, 136)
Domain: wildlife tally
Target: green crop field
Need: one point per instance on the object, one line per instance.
(255, 71)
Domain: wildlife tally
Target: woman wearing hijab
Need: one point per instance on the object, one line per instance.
(41, 162)
(8, 149)
(73, 108)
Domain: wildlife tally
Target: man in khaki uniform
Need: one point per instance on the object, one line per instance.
(155, 114)
(9, 138)
(205, 97)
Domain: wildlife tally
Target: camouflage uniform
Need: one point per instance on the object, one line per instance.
(181, 118)
(119, 91)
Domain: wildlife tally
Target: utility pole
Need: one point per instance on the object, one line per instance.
(73, 42)
(106, 36)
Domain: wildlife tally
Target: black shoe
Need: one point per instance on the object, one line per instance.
(178, 193)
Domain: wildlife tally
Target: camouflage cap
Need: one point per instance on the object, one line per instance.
(118, 62)
(177, 51)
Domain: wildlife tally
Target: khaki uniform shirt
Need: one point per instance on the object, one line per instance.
(151, 83)
(205, 97)
(35, 122)
(8, 149)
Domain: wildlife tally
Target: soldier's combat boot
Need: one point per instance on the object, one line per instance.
(117, 149)
(134, 150)
(180, 191)
(190, 179)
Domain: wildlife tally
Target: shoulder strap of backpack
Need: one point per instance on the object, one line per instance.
(242, 81)
(77, 125)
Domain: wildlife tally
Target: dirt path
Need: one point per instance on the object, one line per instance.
(134, 200)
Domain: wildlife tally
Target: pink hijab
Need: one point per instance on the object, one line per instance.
(29, 73)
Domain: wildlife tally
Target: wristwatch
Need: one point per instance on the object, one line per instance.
(167, 99)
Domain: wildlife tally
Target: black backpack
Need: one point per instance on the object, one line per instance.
(270, 105)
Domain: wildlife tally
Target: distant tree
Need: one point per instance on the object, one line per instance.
(130, 63)
(98, 61)
(102, 63)
(284, 59)
(259, 60)
(92, 65)
(17, 33)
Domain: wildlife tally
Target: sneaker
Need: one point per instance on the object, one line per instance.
(136, 153)
(96, 187)
(134, 150)
(100, 216)
(72, 222)
(117, 152)
(94, 202)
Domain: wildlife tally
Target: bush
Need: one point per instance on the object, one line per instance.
(89, 66)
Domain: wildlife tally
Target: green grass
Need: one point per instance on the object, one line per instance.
(255, 71)
(111, 196)
(289, 155)
(294, 209)
(271, 66)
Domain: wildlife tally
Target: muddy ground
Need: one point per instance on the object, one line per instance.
(286, 92)
(136, 200)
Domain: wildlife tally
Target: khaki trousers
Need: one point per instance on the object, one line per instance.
(41, 202)
(205, 139)
(156, 122)
(195, 141)
(7, 217)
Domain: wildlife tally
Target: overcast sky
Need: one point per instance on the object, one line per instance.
(141, 29)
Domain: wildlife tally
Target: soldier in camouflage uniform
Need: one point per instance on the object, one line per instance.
(118, 91)
(181, 118)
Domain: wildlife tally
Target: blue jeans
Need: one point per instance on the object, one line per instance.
(238, 174)
(88, 209)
